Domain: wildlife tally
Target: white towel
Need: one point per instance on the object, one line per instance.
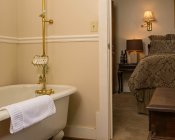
(26, 113)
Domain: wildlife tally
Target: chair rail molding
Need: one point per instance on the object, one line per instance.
(50, 39)
(8, 39)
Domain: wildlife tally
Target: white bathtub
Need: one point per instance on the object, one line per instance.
(51, 126)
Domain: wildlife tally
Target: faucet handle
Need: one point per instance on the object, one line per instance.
(40, 79)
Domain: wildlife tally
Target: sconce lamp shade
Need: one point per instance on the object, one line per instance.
(148, 16)
(134, 45)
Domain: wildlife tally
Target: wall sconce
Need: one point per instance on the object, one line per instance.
(148, 18)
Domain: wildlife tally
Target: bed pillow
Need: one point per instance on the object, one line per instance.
(170, 36)
(162, 46)
(157, 37)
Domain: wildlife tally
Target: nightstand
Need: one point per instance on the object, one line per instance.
(124, 68)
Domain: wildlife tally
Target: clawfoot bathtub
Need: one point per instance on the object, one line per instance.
(51, 127)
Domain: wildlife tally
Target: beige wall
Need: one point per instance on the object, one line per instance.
(130, 18)
(29, 22)
(8, 17)
(8, 64)
(70, 17)
(7, 51)
(71, 63)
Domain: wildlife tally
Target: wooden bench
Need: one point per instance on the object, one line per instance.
(162, 115)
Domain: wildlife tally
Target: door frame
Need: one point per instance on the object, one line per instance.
(104, 117)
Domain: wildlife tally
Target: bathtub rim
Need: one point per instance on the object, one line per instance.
(70, 90)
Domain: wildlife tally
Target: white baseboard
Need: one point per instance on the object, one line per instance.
(80, 132)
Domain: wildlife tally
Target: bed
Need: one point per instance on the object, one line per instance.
(155, 70)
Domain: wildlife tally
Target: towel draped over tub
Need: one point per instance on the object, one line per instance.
(26, 113)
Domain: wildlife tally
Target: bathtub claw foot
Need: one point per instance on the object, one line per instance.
(59, 136)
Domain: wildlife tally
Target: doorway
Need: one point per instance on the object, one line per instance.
(127, 123)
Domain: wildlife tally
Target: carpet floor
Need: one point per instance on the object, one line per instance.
(127, 123)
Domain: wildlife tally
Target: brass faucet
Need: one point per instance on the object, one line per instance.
(42, 80)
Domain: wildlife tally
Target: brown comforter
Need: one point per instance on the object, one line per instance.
(154, 71)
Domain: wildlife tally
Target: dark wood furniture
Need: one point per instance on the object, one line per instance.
(122, 68)
(162, 115)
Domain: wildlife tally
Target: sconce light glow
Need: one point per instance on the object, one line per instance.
(148, 18)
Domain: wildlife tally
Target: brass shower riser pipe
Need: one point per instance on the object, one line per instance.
(44, 90)
(43, 27)
(44, 20)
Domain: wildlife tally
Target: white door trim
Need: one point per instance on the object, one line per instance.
(109, 30)
(103, 124)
